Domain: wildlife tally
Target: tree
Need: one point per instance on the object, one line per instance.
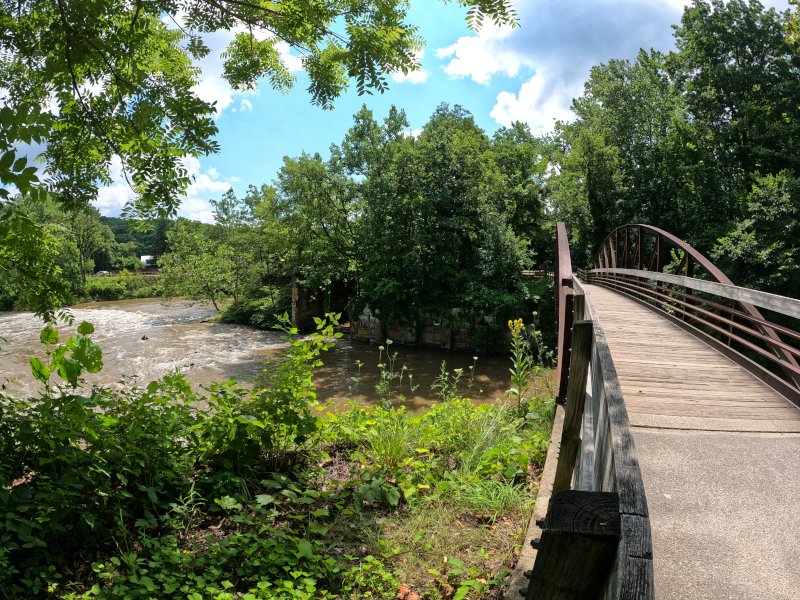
(118, 78)
(521, 191)
(318, 204)
(432, 240)
(197, 266)
(761, 250)
(91, 237)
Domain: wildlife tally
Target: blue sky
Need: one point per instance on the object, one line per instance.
(500, 75)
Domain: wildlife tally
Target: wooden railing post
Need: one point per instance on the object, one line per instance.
(576, 398)
(578, 547)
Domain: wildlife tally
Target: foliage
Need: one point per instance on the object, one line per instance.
(447, 386)
(122, 285)
(433, 242)
(529, 355)
(260, 312)
(120, 82)
(196, 266)
(762, 249)
(432, 227)
(103, 83)
(29, 267)
(681, 141)
(389, 387)
(240, 493)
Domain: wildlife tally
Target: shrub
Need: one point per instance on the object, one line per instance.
(261, 312)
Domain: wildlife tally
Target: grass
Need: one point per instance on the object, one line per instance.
(140, 493)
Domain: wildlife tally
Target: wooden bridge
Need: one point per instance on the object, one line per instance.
(677, 473)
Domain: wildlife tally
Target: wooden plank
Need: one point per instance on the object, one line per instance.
(578, 546)
(629, 478)
(676, 372)
(585, 465)
(576, 397)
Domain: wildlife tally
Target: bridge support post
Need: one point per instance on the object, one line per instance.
(578, 547)
(580, 357)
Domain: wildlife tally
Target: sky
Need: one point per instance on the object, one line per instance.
(529, 74)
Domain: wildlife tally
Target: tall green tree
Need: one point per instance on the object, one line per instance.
(433, 241)
(197, 266)
(91, 237)
(521, 189)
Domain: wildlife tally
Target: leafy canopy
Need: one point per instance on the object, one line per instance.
(115, 78)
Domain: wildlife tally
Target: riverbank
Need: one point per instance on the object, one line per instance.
(146, 339)
(241, 493)
(122, 285)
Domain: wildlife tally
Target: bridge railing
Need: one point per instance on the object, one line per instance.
(564, 295)
(668, 275)
(595, 539)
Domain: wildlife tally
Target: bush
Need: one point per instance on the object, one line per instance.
(260, 312)
(104, 288)
(122, 286)
(165, 493)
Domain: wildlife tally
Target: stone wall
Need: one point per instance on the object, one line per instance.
(433, 334)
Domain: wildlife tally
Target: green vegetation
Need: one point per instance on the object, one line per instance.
(701, 142)
(435, 227)
(103, 83)
(123, 285)
(238, 494)
(61, 249)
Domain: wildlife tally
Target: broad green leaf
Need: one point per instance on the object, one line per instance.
(305, 549)
(41, 372)
(49, 335)
(85, 328)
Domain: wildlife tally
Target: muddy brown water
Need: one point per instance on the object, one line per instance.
(146, 339)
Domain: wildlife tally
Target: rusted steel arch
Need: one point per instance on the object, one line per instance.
(618, 251)
(644, 247)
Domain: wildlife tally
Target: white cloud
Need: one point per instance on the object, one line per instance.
(206, 184)
(413, 133)
(481, 56)
(535, 105)
(420, 76)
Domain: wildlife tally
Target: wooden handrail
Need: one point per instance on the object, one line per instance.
(779, 304)
(564, 294)
(596, 539)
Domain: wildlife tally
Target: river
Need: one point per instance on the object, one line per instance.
(146, 339)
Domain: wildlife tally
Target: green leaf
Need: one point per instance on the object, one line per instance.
(49, 335)
(264, 499)
(39, 371)
(88, 355)
(85, 328)
(7, 160)
(305, 549)
(70, 370)
(317, 528)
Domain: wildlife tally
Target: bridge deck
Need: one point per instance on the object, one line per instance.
(720, 457)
